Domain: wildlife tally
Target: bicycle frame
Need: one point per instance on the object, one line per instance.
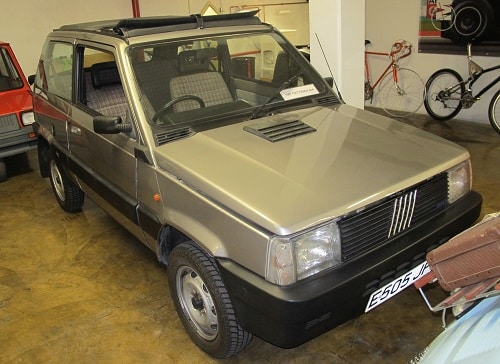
(475, 72)
(367, 68)
(393, 63)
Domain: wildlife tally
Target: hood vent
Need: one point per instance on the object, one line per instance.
(170, 136)
(280, 130)
(326, 101)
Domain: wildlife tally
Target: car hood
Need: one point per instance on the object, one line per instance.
(351, 159)
(14, 101)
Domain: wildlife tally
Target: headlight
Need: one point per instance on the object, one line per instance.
(291, 259)
(28, 118)
(459, 181)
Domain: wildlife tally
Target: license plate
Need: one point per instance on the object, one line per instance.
(393, 288)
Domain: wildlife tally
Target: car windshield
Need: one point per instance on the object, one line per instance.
(9, 77)
(194, 81)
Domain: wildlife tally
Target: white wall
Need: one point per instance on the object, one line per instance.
(32, 20)
(389, 20)
(337, 29)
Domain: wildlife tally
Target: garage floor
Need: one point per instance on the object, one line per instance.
(78, 288)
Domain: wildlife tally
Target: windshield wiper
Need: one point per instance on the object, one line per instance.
(283, 86)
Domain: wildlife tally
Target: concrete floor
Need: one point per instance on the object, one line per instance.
(79, 288)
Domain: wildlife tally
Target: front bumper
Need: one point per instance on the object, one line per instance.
(17, 142)
(290, 316)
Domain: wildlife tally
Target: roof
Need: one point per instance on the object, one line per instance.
(149, 25)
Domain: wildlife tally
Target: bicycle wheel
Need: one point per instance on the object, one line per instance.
(403, 97)
(443, 94)
(494, 112)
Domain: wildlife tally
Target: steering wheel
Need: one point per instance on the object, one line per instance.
(171, 103)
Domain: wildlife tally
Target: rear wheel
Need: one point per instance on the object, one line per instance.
(443, 94)
(69, 196)
(404, 96)
(494, 112)
(203, 303)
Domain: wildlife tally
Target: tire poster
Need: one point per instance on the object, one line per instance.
(446, 26)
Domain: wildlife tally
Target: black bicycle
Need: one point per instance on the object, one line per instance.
(446, 93)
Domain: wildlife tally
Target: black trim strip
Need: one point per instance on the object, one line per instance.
(115, 196)
(148, 220)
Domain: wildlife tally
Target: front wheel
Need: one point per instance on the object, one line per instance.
(443, 94)
(69, 196)
(203, 303)
(401, 92)
(494, 112)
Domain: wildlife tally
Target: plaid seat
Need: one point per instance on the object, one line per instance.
(104, 91)
(196, 80)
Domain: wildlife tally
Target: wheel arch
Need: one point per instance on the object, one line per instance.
(201, 236)
(45, 153)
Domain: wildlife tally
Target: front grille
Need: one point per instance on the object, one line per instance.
(8, 123)
(402, 213)
(370, 228)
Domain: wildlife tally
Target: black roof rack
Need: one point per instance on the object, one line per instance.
(149, 25)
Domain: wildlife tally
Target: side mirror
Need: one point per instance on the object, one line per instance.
(110, 125)
(31, 79)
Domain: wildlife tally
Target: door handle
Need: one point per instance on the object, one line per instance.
(75, 130)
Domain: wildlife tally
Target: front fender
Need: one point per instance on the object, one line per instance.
(218, 230)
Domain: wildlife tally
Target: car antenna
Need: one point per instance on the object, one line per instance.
(328, 65)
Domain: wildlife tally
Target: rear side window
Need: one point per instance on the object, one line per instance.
(9, 77)
(55, 69)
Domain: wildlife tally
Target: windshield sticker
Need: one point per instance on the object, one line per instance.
(300, 91)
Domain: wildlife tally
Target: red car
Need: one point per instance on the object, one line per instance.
(16, 110)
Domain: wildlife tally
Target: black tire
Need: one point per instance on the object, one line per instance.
(3, 170)
(203, 303)
(443, 93)
(69, 196)
(494, 112)
(473, 19)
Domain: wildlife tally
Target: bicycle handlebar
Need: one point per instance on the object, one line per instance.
(400, 49)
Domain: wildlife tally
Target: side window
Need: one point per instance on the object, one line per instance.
(55, 69)
(101, 89)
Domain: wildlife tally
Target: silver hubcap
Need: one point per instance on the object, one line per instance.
(197, 303)
(56, 177)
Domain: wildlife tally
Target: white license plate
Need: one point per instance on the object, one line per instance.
(393, 288)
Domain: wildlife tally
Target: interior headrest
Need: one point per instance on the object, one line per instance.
(197, 60)
(105, 73)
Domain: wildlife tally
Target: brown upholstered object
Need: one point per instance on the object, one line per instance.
(469, 257)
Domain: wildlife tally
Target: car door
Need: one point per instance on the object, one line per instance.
(104, 164)
(53, 90)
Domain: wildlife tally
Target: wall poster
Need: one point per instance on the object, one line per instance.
(446, 27)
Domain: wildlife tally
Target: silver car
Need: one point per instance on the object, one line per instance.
(278, 210)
